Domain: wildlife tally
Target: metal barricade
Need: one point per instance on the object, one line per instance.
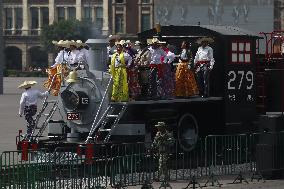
(122, 165)
(228, 154)
(30, 173)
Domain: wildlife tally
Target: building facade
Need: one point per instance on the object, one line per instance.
(128, 17)
(23, 21)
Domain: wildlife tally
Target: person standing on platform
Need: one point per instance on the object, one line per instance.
(119, 61)
(83, 49)
(168, 76)
(28, 104)
(185, 80)
(73, 58)
(59, 68)
(203, 63)
(142, 60)
(132, 73)
(156, 72)
(111, 48)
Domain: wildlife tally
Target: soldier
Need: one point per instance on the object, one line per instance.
(162, 142)
(28, 104)
(203, 63)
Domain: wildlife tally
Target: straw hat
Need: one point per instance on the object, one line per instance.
(73, 43)
(80, 43)
(137, 43)
(153, 41)
(27, 84)
(160, 124)
(60, 43)
(121, 42)
(113, 37)
(205, 39)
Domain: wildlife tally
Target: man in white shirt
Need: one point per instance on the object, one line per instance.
(203, 63)
(73, 57)
(28, 103)
(62, 55)
(83, 51)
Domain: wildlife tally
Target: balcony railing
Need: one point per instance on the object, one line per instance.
(20, 32)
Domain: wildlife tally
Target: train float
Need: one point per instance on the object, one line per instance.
(245, 85)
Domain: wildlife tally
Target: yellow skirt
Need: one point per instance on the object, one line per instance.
(120, 85)
(185, 81)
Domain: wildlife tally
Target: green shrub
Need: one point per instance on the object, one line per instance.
(17, 73)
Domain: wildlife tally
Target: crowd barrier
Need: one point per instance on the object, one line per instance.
(120, 165)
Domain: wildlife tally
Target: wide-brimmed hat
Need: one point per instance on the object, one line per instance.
(113, 37)
(121, 42)
(153, 41)
(81, 44)
(27, 84)
(137, 43)
(72, 43)
(205, 39)
(160, 124)
(60, 43)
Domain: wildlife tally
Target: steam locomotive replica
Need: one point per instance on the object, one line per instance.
(245, 95)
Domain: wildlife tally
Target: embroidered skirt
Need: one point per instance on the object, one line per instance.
(120, 85)
(133, 83)
(185, 81)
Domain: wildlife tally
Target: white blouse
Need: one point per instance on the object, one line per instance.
(30, 97)
(204, 54)
(156, 55)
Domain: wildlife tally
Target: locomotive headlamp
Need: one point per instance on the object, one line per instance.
(72, 77)
(75, 100)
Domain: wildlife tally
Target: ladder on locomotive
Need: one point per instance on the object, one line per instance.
(40, 128)
(108, 119)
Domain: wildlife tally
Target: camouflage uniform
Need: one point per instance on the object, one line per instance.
(162, 141)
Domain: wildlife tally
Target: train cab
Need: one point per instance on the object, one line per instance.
(233, 75)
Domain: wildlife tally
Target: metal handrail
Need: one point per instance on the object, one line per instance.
(95, 125)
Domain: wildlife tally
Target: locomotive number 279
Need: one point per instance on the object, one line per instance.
(236, 79)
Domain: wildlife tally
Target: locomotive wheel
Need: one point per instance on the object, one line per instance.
(187, 132)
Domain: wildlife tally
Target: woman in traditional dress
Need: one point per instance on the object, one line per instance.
(119, 61)
(59, 69)
(132, 73)
(168, 75)
(185, 81)
(156, 72)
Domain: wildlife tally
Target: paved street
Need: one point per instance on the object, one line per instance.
(10, 123)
